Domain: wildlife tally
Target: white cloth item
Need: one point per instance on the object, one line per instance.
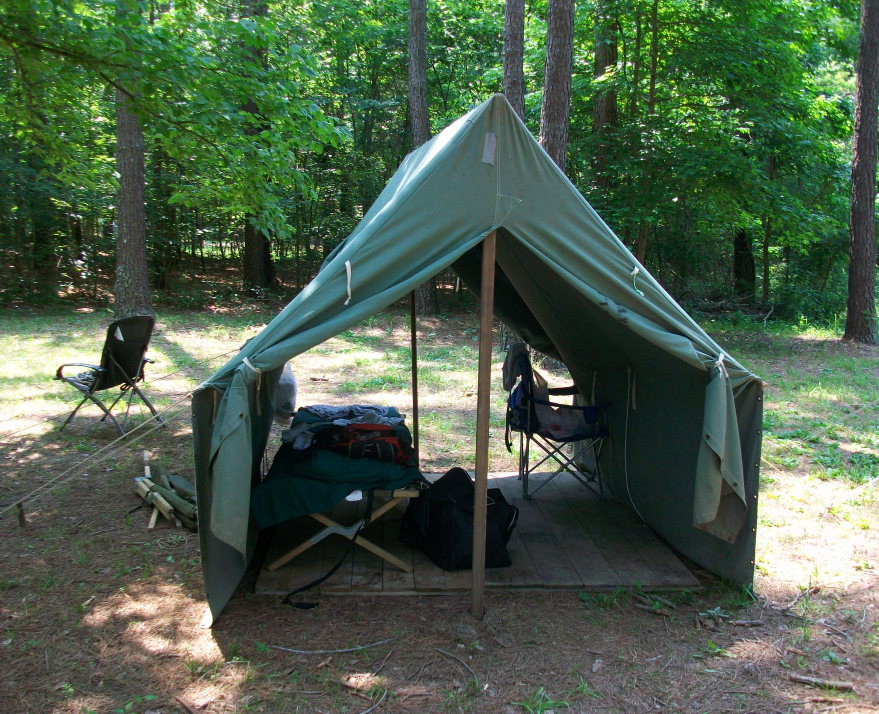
(285, 396)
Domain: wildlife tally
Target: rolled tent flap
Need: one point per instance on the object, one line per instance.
(720, 502)
(231, 458)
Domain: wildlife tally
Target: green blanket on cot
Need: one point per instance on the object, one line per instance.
(298, 484)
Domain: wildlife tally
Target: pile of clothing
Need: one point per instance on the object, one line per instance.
(327, 453)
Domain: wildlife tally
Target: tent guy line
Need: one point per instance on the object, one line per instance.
(99, 456)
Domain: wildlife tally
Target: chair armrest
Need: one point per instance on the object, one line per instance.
(563, 391)
(59, 374)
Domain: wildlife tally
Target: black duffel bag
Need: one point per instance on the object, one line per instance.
(440, 522)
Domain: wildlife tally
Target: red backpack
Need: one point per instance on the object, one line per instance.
(368, 441)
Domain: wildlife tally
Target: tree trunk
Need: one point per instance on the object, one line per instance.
(418, 72)
(132, 290)
(744, 269)
(556, 109)
(860, 321)
(425, 294)
(767, 233)
(643, 238)
(636, 67)
(259, 273)
(654, 56)
(604, 113)
(514, 43)
(643, 226)
(258, 268)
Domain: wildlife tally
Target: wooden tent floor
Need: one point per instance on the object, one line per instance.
(566, 539)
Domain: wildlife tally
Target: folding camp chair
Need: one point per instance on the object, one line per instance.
(569, 435)
(122, 361)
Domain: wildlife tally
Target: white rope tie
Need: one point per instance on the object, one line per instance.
(250, 364)
(634, 274)
(348, 279)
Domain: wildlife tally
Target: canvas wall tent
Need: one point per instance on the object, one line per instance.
(685, 416)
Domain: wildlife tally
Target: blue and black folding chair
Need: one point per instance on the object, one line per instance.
(568, 435)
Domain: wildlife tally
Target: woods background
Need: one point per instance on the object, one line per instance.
(715, 138)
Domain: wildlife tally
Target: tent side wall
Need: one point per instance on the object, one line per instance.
(656, 402)
(653, 455)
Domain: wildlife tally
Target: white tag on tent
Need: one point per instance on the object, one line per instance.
(348, 280)
(488, 148)
(355, 496)
(118, 334)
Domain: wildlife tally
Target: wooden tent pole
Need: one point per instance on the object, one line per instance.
(483, 404)
(413, 343)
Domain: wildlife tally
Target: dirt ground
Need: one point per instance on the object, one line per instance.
(101, 614)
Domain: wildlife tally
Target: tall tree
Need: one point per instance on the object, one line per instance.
(604, 112)
(514, 52)
(132, 289)
(556, 109)
(418, 72)
(258, 269)
(860, 321)
(744, 268)
(425, 294)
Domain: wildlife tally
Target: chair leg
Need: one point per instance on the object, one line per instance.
(132, 389)
(556, 457)
(524, 443)
(101, 406)
(127, 409)
(149, 404)
(73, 413)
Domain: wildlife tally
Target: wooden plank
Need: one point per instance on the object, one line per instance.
(637, 555)
(413, 354)
(566, 538)
(460, 579)
(588, 560)
(300, 571)
(666, 568)
(483, 408)
(600, 524)
(548, 555)
(522, 570)
(428, 577)
(334, 546)
(366, 567)
(394, 579)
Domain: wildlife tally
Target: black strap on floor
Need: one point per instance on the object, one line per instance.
(314, 583)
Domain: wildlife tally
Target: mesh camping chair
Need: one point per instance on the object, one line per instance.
(122, 362)
(551, 426)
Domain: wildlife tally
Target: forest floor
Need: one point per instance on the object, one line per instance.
(101, 614)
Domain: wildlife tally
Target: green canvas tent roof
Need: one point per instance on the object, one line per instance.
(685, 416)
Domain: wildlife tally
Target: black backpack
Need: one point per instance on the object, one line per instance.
(440, 522)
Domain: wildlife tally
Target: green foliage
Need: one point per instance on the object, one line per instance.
(604, 601)
(540, 702)
(730, 120)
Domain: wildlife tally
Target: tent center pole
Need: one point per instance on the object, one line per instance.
(413, 342)
(483, 405)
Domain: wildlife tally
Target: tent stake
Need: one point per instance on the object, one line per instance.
(483, 403)
(413, 342)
